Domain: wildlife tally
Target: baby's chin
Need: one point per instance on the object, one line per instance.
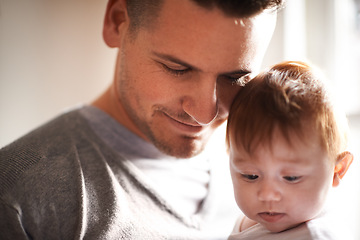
(277, 228)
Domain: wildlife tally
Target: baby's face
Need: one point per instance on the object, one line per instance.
(282, 186)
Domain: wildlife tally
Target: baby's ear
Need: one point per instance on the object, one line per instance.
(343, 162)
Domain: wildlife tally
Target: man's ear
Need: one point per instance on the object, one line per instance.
(115, 22)
(343, 163)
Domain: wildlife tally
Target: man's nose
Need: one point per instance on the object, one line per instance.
(269, 191)
(202, 102)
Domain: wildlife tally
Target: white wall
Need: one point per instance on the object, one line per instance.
(52, 56)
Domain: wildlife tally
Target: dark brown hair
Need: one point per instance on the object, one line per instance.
(143, 12)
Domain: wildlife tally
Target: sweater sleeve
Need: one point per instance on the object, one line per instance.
(10, 223)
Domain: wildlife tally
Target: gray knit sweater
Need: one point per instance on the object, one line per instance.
(62, 181)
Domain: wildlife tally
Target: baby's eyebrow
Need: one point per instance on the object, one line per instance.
(238, 161)
(295, 161)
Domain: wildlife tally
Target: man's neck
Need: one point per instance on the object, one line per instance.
(109, 102)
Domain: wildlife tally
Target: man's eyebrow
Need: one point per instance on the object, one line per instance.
(173, 59)
(237, 72)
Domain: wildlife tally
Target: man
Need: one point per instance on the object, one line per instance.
(129, 166)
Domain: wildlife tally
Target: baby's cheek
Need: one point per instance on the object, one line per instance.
(309, 205)
(245, 200)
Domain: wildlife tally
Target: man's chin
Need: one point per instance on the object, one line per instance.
(184, 148)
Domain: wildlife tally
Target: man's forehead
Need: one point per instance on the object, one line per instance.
(201, 37)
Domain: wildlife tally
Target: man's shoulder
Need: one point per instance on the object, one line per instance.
(39, 139)
(51, 140)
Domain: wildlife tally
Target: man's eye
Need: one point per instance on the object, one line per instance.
(233, 80)
(250, 177)
(292, 179)
(243, 80)
(177, 71)
(239, 80)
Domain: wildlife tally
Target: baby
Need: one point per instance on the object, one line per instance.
(287, 146)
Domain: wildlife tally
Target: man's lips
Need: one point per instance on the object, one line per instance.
(184, 126)
(271, 216)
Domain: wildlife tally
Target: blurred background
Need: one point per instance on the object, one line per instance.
(52, 57)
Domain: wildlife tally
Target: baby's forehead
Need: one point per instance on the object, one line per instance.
(303, 133)
(286, 144)
(282, 155)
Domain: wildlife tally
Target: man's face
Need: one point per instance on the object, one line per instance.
(281, 186)
(176, 80)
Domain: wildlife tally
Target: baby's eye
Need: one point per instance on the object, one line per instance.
(250, 177)
(292, 179)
